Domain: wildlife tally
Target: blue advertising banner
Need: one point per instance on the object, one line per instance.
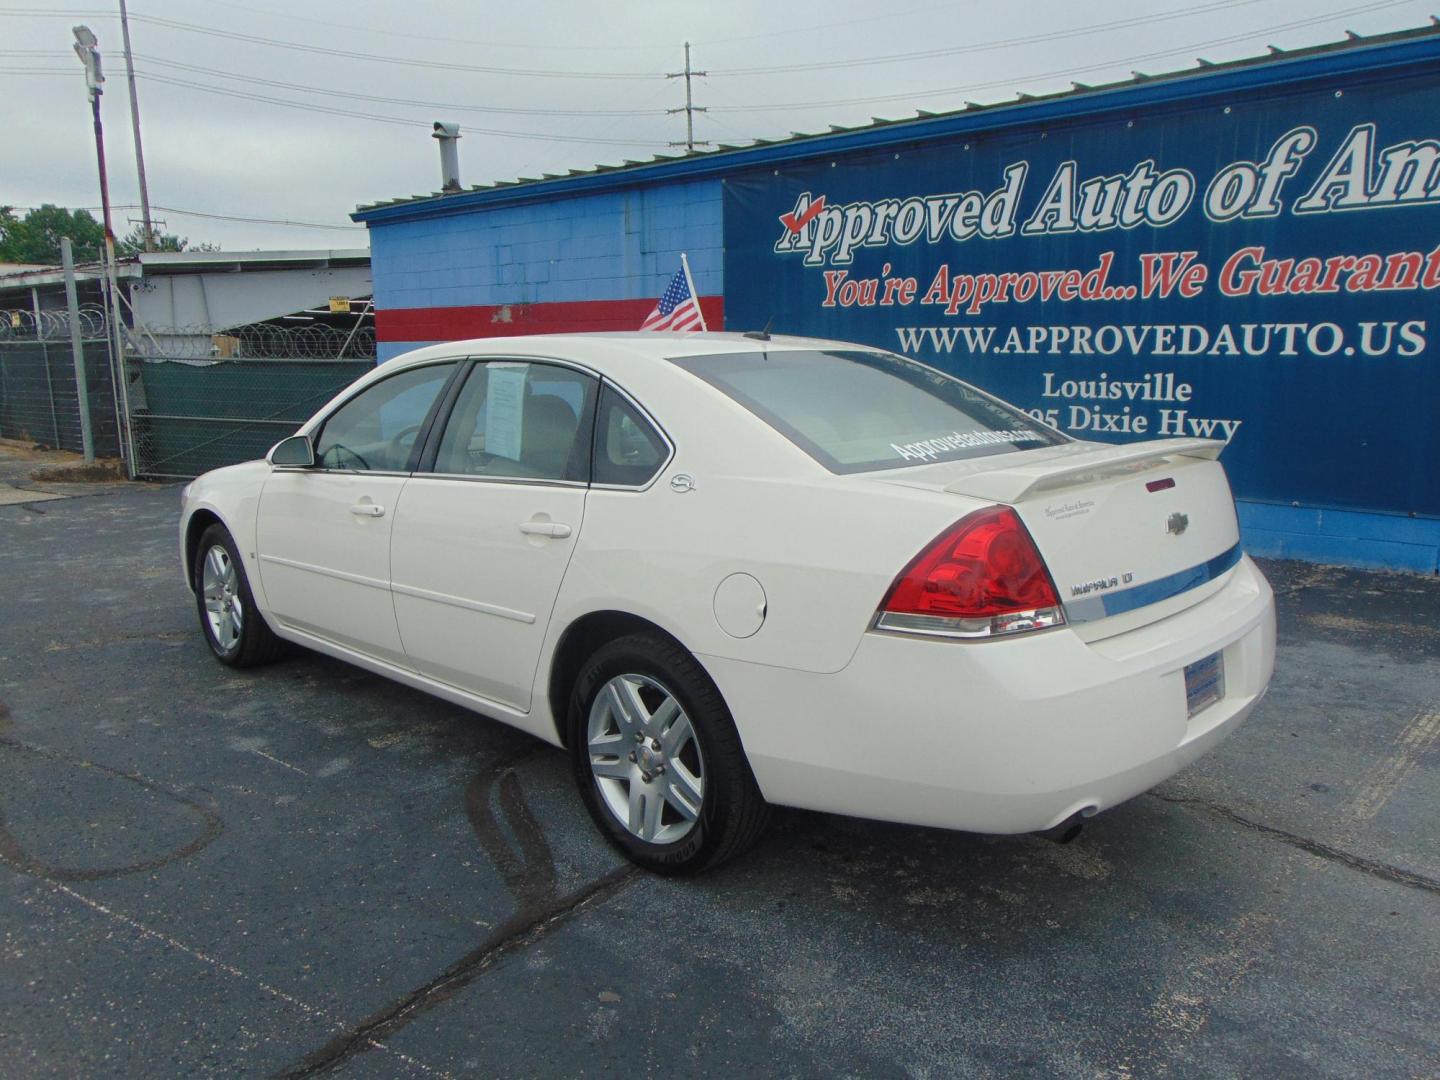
(1262, 269)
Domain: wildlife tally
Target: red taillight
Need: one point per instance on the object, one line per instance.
(983, 576)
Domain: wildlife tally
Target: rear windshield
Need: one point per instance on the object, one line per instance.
(860, 411)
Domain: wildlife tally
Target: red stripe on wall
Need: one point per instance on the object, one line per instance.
(503, 320)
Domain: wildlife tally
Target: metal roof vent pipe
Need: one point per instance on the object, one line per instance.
(449, 135)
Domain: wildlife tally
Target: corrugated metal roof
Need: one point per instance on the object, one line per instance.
(15, 275)
(199, 262)
(924, 123)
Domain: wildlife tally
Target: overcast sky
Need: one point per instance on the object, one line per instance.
(233, 155)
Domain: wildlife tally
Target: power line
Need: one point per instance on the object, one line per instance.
(988, 46)
(888, 16)
(381, 118)
(217, 217)
(352, 95)
(1215, 5)
(70, 13)
(322, 50)
(278, 43)
(245, 95)
(430, 38)
(1090, 66)
(252, 220)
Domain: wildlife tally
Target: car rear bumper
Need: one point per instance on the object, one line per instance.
(1001, 736)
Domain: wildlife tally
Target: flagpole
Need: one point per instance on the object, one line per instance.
(685, 263)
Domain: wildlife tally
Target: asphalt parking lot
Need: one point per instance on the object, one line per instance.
(305, 869)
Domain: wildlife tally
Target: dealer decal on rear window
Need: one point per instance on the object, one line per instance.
(930, 449)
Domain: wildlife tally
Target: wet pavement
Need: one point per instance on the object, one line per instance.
(305, 869)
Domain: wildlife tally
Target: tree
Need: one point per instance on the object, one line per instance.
(35, 238)
(134, 242)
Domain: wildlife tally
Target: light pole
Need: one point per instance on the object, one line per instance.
(87, 48)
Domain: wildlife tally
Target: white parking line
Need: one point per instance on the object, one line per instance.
(13, 496)
(277, 761)
(232, 970)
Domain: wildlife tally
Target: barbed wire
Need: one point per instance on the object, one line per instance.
(19, 324)
(255, 341)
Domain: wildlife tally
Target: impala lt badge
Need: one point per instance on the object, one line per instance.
(1178, 523)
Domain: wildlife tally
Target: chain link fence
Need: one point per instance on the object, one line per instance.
(197, 398)
(39, 402)
(200, 399)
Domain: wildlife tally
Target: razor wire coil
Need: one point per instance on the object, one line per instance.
(250, 341)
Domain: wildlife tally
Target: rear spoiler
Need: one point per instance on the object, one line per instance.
(1083, 463)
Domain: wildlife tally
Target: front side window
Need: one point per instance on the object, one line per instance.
(375, 431)
(520, 420)
(861, 411)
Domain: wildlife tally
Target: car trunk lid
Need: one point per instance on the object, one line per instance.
(1124, 530)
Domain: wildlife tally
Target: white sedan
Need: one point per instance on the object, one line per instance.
(727, 571)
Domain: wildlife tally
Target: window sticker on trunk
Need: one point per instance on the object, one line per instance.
(1069, 509)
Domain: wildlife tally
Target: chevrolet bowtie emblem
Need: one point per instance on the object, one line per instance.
(1177, 523)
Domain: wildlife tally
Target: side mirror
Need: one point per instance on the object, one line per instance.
(295, 452)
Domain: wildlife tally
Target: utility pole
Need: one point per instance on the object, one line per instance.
(148, 225)
(86, 48)
(690, 108)
(77, 350)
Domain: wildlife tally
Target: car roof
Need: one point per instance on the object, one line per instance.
(615, 345)
(637, 362)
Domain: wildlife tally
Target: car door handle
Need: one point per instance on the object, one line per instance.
(366, 509)
(555, 529)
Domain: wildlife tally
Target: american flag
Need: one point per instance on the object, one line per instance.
(678, 309)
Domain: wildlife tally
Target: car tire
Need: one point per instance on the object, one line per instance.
(229, 619)
(648, 685)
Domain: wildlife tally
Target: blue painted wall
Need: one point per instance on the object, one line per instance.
(613, 245)
(1342, 537)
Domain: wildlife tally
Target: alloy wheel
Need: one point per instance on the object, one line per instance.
(220, 585)
(645, 759)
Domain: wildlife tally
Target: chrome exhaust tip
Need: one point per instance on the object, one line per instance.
(1069, 829)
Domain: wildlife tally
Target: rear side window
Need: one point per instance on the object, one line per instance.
(628, 449)
(861, 411)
